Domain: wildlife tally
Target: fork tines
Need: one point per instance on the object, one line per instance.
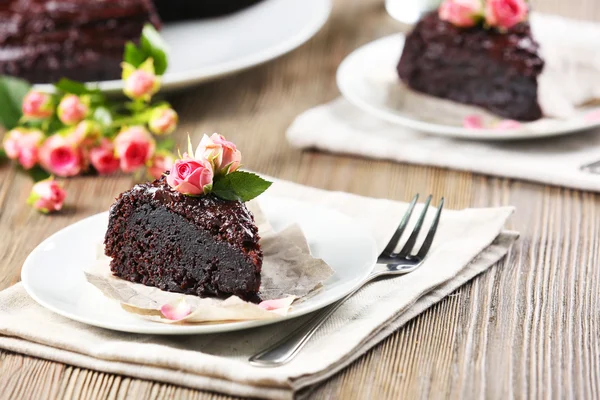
(406, 251)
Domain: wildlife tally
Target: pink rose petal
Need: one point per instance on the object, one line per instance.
(593, 116)
(277, 304)
(473, 122)
(508, 124)
(176, 310)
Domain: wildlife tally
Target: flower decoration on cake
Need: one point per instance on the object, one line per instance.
(499, 14)
(214, 168)
(76, 129)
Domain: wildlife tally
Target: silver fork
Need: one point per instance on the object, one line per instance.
(389, 263)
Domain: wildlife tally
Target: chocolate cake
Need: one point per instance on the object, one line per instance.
(43, 41)
(202, 245)
(483, 67)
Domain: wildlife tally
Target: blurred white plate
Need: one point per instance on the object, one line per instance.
(203, 50)
(53, 273)
(368, 79)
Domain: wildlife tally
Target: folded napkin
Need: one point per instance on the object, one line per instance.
(340, 127)
(571, 77)
(468, 242)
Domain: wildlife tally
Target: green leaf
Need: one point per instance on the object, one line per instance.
(12, 92)
(239, 185)
(165, 144)
(153, 45)
(3, 156)
(133, 55)
(103, 116)
(74, 87)
(37, 173)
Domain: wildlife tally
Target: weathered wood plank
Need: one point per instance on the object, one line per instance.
(529, 327)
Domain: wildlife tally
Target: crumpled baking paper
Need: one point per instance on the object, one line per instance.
(289, 274)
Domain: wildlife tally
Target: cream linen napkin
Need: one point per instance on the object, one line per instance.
(571, 77)
(468, 242)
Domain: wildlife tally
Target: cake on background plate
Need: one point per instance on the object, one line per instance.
(43, 41)
(480, 53)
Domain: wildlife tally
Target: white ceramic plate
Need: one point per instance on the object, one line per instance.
(205, 49)
(368, 79)
(53, 272)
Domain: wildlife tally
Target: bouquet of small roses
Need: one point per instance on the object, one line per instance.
(76, 129)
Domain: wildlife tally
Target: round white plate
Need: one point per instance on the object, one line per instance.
(368, 79)
(205, 49)
(53, 272)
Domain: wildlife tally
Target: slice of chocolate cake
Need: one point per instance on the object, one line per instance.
(492, 68)
(200, 245)
(43, 41)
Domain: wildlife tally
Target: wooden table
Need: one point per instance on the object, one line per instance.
(529, 327)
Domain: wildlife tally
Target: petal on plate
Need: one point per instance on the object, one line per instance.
(176, 310)
(473, 122)
(277, 304)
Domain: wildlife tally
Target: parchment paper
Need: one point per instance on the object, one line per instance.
(289, 273)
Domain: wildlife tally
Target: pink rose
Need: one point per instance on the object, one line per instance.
(60, 157)
(160, 163)
(85, 134)
(37, 105)
(23, 145)
(103, 157)
(71, 110)
(134, 147)
(163, 120)
(29, 148)
(190, 176)
(505, 13)
(462, 13)
(47, 196)
(12, 143)
(141, 84)
(222, 154)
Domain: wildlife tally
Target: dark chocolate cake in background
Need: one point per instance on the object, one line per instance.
(175, 10)
(43, 41)
(483, 67)
(203, 246)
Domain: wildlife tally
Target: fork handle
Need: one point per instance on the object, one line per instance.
(286, 349)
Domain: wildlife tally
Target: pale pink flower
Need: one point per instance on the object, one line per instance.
(140, 83)
(23, 145)
(37, 105)
(161, 162)
(221, 153)
(134, 146)
(47, 196)
(60, 157)
(505, 13)
(12, 143)
(176, 310)
(463, 13)
(29, 145)
(103, 158)
(191, 176)
(163, 120)
(473, 122)
(85, 134)
(72, 110)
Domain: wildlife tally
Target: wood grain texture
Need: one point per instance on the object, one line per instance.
(528, 328)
